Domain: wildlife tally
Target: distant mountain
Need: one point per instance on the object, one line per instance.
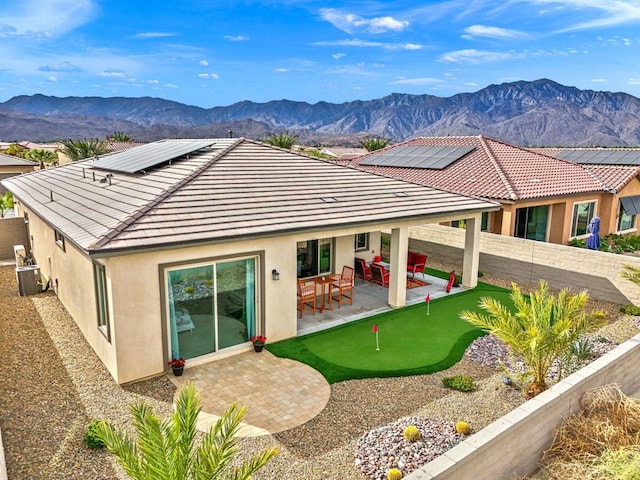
(538, 113)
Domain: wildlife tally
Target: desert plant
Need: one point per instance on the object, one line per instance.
(282, 140)
(42, 156)
(631, 272)
(463, 428)
(166, 450)
(81, 149)
(394, 474)
(463, 383)
(371, 144)
(6, 203)
(92, 434)
(189, 290)
(542, 328)
(119, 137)
(582, 348)
(411, 434)
(630, 309)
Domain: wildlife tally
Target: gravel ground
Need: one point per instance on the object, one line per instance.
(54, 385)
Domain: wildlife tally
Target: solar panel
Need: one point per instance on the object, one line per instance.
(601, 157)
(150, 155)
(417, 156)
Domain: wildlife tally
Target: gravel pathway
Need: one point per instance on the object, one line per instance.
(54, 385)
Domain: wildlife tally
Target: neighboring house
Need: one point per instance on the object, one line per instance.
(541, 197)
(11, 166)
(187, 248)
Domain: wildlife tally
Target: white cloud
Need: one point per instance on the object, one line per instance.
(154, 35)
(280, 70)
(215, 76)
(354, 42)
(609, 13)
(634, 81)
(599, 80)
(338, 56)
(171, 85)
(236, 38)
(413, 46)
(349, 22)
(44, 18)
(153, 82)
(494, 32)
(203, 63)
(416, 81)
(52, 78)
(60, 67)
(475, 57)
(112, 74)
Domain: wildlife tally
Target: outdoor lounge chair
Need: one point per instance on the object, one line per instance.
(343, 286)
(306, 297)
(380, 275)
(416, 263)
(363, 270)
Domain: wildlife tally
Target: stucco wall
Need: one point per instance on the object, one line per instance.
(528, 261)
(513, 443)
(12, 232)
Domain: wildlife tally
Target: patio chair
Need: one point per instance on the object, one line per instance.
(416, 263)
(380, 275)
(343, 286)
(306, 297)
(363, 270)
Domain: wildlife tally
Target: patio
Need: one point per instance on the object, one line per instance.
(370, 299)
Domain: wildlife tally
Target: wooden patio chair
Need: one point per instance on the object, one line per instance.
(363, 270)
(380, 275)
(343, 286)
(306, 297)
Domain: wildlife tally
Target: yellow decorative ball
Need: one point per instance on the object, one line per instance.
(463, 428)
(412, 434)
(394, 474)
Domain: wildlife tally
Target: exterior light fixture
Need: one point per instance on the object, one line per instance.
(275, 275)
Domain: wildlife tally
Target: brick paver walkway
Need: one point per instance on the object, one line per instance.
(279, 393)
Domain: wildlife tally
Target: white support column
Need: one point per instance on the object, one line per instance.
(398, 276)
(471, 252)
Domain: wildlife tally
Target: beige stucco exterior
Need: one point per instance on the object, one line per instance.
(137, 344)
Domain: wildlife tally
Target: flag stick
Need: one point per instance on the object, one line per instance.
(377, 344)
(428, 303)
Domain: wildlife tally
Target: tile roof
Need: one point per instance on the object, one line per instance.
(11, 161)
(495, 170)
(235, 189)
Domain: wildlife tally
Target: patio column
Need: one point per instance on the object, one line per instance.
(398, 265)
(471, 253)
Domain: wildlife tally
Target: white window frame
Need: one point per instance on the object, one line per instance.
(102, 299)
(574, 216)
(361, 242)
(59, 240)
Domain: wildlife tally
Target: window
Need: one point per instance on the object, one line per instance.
(59, 239)
(625, 221)
(100, 282)
(361, 242)
(582, 214)
(531, 223)
(484, 222)
(314, 257)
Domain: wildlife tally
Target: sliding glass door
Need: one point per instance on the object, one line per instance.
(211, 307)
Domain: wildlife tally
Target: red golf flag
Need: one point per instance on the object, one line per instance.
(427, 298)
(375, 328)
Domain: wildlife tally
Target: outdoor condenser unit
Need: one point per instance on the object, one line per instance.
(28, 279)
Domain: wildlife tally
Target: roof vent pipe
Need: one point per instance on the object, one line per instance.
(84, 174)
(94, 176)
(51, 195)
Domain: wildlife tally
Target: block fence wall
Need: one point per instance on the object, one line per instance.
(513, 444)
(528, 261)
(12, 232)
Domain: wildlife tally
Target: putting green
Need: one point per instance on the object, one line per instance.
(410, 341)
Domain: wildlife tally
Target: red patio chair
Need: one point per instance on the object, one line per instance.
(363, 270)
(380, 275)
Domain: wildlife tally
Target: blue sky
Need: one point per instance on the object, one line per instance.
(213, 52)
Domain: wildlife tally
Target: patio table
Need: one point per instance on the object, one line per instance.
(325, 288)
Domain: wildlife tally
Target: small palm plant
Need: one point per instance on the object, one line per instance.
(81, 149)
(282, 140)
(371, 144)
(166, 450)
(631, 272)
(542, 328)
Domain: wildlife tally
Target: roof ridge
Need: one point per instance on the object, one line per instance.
(115, 231)
(503, 177)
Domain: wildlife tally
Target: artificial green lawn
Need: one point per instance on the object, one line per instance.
(411, 342)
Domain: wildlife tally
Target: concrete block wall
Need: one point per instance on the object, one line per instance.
(12, 232)
(528, 261)
(513, 444)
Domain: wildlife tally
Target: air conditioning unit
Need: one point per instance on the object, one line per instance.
(28, 277)
(19, 252)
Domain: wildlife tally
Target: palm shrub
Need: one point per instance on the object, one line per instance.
(42, 156)
(631, 272)
(282, 140)
(371, 144)
(166, 450)
(81, 149)
(541, 328)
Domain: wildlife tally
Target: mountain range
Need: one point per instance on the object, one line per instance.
(537, 113)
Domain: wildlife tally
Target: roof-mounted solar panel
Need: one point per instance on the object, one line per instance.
(601, 157)
(417, 156)
(150, 155)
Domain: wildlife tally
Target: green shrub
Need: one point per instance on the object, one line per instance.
(91, 434)
(189, 290)
(582, 348)
(630, 309)
(463, 383)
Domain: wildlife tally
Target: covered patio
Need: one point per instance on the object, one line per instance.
(370, 299)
